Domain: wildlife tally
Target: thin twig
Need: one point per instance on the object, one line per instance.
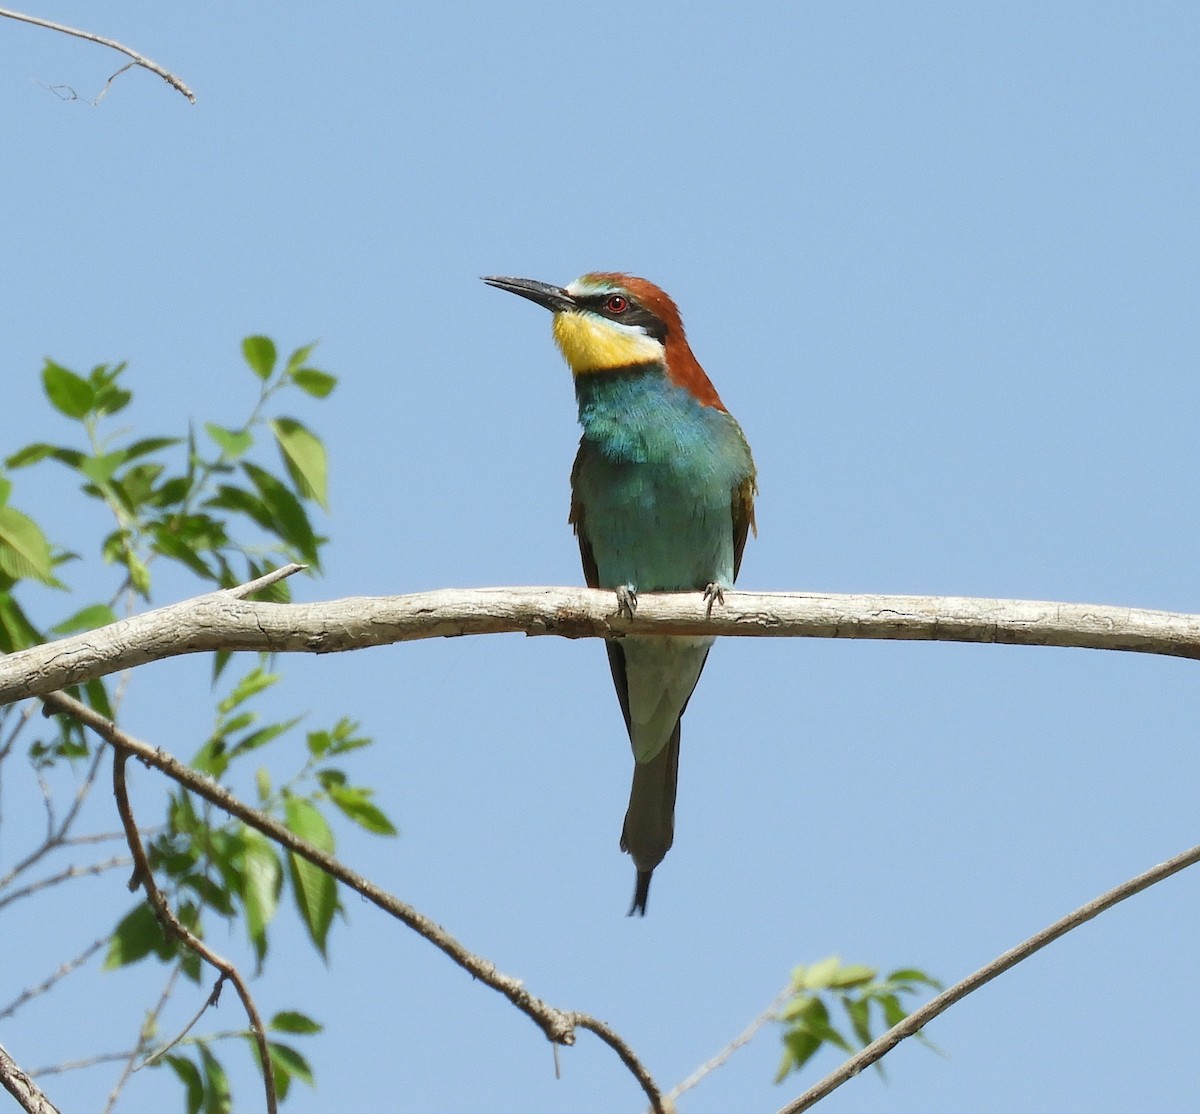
(91, 37)
(56, 833)
(149, 1025)
(86, 1062)
(64, 876)
(172, 926)
(918, 1019)
(742, 1039)
(60, 973)
(27, 1093)
(557, 1025)
(211, 1001)
(26, 715)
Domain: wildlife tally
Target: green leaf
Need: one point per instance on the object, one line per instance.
(5, 489)
(149, 445)
(319, 384)
(860, 1019)
(218, 1098)
(288, 1061)
(260, 355)
(16, 631)
(136, 936)
(290, 1021)
(299, 357)
(913, 975)
(31, 454)
(233, 443)
(171, 545)
(354, 803)
(853, 974)
(87, 618)
(818, 975)
(67, 392)
(262, 880)
(220, 660)
(24, 550)
(189, 1076)
(289, 520)
(254, 682)
(893, 1012)
(305, 458)
(314, 890)
(262, 736)
(800, 1048)
(229, 498)
(97, 697)
(212, 758)
(139, 575)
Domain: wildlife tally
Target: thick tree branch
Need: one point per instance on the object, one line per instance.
(557, 1025)
(222, 621)
(91, 37)
(918, 1019)
(29, 1097)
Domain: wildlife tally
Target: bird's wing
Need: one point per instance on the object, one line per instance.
(743, 519)
(616, 656)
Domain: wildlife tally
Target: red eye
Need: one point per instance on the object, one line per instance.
(616, 304)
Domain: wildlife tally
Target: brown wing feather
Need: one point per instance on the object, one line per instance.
(743, 519)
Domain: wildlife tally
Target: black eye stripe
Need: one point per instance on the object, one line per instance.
(633, 314)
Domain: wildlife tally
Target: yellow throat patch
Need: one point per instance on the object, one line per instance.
(591, 343)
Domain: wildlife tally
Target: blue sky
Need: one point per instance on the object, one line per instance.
(941, 261)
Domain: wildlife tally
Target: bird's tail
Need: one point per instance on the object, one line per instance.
(650, 819)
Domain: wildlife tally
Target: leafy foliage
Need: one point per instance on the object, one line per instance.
(862, 994)
(208, 504)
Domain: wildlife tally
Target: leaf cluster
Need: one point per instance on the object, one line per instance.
(864, 998)
(213, 504)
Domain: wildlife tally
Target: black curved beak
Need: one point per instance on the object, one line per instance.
(553, 298)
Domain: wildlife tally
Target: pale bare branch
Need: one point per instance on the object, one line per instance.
(91, 37)
(221, 621)
(27, 1093)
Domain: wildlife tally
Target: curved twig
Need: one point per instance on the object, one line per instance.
(172, 926)
(916, 1020)
(223, 621)
(61, 972)
(558, 1025)
(91, 37)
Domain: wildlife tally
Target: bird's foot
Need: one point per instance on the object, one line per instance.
(626, 600)
(714, 593)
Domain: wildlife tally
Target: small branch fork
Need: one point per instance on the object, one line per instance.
(558, 1025)
(91, 37)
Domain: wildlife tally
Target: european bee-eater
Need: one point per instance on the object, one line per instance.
(662, 499)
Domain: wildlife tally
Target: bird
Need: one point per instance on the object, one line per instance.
(662, 500)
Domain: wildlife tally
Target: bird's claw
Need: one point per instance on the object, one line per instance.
(713, 593)
(626, 600)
